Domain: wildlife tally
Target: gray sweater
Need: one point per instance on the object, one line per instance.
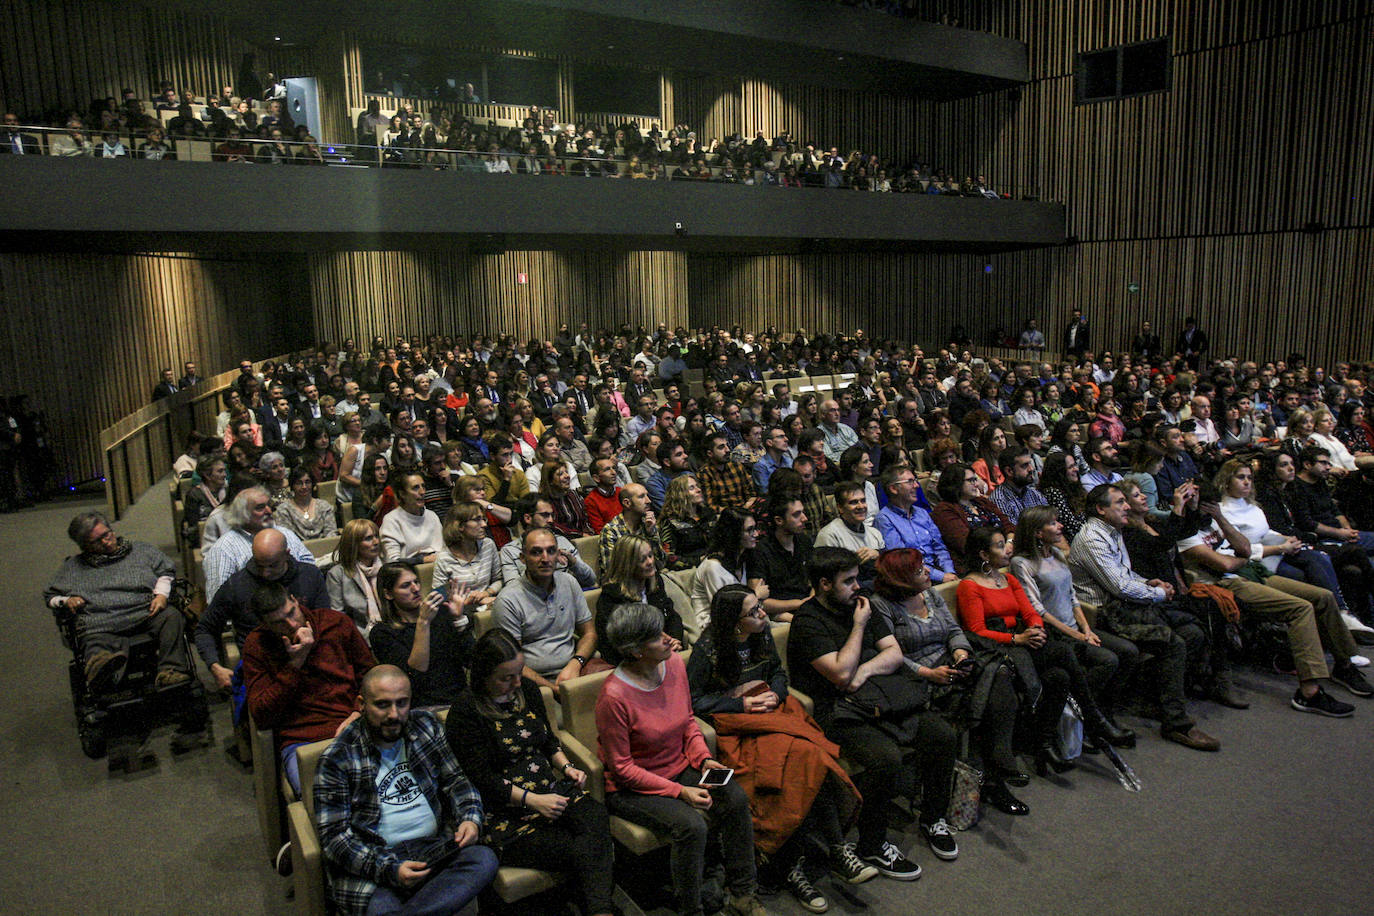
(117, 596)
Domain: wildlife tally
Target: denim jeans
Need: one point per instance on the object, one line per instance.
(445, 893)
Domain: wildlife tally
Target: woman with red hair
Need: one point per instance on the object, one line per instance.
(980, 698)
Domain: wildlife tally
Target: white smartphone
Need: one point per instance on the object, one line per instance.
(714, 779)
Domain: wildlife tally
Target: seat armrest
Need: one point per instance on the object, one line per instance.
(708, 732)
(586, 761)
(306, 861)
(807, 703)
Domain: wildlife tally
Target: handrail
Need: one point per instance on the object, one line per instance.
(138, 448)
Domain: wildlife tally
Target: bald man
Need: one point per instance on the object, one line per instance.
(636, 517)
(390, 799)
(271, 562)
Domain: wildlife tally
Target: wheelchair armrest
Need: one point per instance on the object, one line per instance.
(582, 758)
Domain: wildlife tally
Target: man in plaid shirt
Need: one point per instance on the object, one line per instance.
(388, 795)
(724, 482)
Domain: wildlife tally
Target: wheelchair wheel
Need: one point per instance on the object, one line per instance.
(92, 740)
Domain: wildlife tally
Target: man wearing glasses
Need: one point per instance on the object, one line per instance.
(902, 523)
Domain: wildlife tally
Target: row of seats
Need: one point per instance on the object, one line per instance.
(572, 717)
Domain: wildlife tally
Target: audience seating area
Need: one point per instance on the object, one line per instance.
(875, 389)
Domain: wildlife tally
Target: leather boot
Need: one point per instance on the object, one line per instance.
(1101, 728)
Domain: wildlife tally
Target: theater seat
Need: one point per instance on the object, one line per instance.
(510, 884)
(328, 491)
(780, 633)
(589, 548)
(578, 700)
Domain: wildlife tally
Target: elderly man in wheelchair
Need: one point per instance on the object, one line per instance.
(111, 601)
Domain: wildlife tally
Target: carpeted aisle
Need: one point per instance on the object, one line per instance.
(1279, 822)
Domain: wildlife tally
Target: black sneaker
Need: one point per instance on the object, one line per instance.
(848, 867)
(1322, 704)
(891, 863)
(811, 900)
(1349, 677)
(941, 840)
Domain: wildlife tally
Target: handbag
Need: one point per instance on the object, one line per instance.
(890, 697)
(891, 702)
(965, 796)
(1070, 733)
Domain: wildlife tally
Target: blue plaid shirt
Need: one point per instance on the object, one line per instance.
(347, 812)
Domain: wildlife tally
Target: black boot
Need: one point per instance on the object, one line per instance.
(1050, 757)
(1101, 728)
(996, 793)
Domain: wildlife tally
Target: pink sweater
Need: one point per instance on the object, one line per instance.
(646, 737)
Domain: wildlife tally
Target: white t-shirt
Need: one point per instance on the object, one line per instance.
(1249, 520)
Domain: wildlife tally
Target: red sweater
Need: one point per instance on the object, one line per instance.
(308, 703)
(1010, 604)
(646, 737)
(601, 508)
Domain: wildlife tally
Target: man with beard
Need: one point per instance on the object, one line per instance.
(390, 801)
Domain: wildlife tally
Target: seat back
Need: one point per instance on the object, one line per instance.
(950, 592)
(682, 603)
(328, 491)
(589, 549)
(322, 548)
(425, 572)
(308, 756)
(577, 696)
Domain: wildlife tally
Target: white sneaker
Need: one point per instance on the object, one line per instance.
(1353, 622)
(1359, 661)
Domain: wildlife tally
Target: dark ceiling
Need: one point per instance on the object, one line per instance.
(797, 41)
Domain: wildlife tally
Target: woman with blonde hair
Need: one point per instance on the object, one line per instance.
(352, 582)
(632, 575)
(684, 526)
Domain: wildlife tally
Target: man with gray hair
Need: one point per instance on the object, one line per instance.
(248, 513)
(838, 436)
(118, 589)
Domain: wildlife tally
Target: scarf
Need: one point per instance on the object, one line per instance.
(210, 496)
(97, 560)
(1225, 601)
(366, 577)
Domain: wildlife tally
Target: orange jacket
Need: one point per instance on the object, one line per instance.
(781, 759)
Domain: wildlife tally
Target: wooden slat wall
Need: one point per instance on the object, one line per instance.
(56, 55)
(1199, 194)
(1281, 292)
(84, 336)
(359, 294)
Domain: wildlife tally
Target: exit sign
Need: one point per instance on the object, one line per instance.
(522, 278)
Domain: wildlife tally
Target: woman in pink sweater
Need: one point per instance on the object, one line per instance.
(654, 756)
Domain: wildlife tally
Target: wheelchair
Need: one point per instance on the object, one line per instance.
(117, 722)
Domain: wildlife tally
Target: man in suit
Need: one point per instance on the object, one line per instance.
(165, 387)
(1076, 334)
(309, 404)
(14, 142)
(276, 427)
(1191, 343)
(189, 378)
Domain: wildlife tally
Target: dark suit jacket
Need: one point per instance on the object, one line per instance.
(1194, 347)
(29, 144)
(188, 380)
(272, 437)
(163, 389)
